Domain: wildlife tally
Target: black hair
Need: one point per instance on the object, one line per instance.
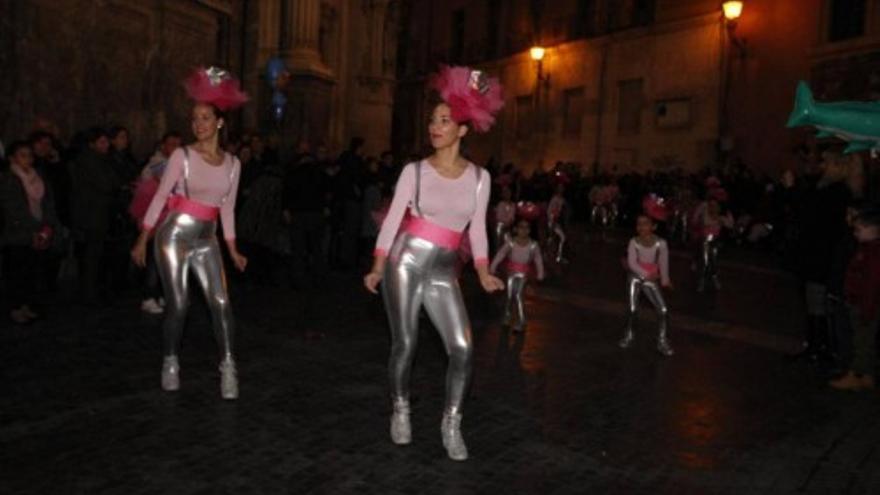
(356, 143)
(15, 146)
(96, 133)
(170, 134)
(116, 129)
(37, 136)
(649, 217)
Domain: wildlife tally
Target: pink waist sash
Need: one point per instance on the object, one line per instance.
(514, 267)
(652, 270)
(441, 236)
(199, 211)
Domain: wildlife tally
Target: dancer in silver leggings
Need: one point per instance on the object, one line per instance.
(555, 211)
(521, 252)
(199, 185)
(709, 262)
(416, 261)
(648, 265)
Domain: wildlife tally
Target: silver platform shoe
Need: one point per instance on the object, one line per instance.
(453, 442)
(170, 374)
(228, 380)
(401, 431)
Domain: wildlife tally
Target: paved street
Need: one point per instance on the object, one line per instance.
(560, 410)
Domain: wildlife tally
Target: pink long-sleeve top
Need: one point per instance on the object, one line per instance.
(450, 203)
(213, 185)
(520, 255)
(505, 212)
(646, 261)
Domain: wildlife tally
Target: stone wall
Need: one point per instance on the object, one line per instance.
(79, 63)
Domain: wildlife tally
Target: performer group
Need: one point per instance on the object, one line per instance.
(437, 201)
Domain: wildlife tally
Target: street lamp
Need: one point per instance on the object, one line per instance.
(732, 10)
(537, 53)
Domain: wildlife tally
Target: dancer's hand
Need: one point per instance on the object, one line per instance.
(371, 281)
(238, 260)
(139, 251)
(667, 285)
(491, 283)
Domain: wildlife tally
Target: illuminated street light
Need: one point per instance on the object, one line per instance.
(537, 53)
(732, 10)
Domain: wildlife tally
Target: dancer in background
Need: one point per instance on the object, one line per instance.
(505, 214)
(444, 194)
(708, 224)
(521, 253)
(648, 264)
(199, 184)
(555, 211)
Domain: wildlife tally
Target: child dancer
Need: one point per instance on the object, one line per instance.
(521, 252)
(505, 214)
(555, 209)
(710, 222)
(648, 264)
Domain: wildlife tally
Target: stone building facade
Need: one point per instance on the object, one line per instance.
(342, 57)
(78, 63)
(640, 84)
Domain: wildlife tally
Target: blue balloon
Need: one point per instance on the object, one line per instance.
(275, 67)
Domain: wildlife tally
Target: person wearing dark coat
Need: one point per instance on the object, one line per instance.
(95, 186)
(823, 225)
(29, 223)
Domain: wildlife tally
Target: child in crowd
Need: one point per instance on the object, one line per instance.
(521, 252)
(648, 265)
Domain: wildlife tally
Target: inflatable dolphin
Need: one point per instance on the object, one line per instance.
(856, 122)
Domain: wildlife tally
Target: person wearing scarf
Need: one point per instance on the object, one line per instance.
(29, 221)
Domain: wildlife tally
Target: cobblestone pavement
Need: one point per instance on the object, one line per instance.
(560, 410)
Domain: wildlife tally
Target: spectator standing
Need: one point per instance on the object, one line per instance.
(95, 185)
(29, 222)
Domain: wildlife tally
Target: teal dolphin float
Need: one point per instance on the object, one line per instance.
(856, 122)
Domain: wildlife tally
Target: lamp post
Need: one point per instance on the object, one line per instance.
(731, 13)
(537, 53)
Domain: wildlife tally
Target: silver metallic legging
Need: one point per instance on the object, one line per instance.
(709, 261)
(419, 272)
(516, 284)
(184, 243)
(636, 285)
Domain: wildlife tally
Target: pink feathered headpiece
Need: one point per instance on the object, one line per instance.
(528, 210)
(655, 207)
(473, 97)
(216, 87)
